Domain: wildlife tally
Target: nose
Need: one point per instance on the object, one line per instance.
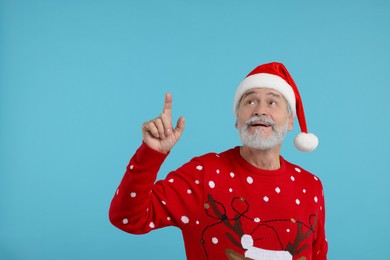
(259, 110)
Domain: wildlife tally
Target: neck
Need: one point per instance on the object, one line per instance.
(263, 159)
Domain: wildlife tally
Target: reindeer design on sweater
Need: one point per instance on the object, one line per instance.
(245, 239)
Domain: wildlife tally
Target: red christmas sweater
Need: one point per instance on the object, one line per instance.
(225, 207)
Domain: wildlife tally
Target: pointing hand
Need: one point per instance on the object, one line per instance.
(159, 133)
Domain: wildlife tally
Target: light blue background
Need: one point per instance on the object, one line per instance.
(78, 79)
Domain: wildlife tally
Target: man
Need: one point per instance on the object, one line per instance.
(245, 203)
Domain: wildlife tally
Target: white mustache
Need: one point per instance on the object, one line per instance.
(262, 118)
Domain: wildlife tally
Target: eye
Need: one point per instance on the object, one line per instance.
(272, 103)
(250, 102)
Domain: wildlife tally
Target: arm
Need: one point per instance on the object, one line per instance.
(141, 205)
(128, 209)
(320, 245)
(133, 201)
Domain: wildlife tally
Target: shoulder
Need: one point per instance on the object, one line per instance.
(211, 160)
(304, 174)
(212, 157)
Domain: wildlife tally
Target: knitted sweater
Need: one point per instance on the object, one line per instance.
(225, 207)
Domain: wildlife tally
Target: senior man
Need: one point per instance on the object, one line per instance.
(244, 203)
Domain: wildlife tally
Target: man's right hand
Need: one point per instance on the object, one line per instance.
(159, 133)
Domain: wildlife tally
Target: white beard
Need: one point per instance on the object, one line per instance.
(256, 141)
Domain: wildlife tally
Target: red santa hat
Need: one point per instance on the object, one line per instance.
(275, 76)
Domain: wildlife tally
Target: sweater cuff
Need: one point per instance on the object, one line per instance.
(149, 156)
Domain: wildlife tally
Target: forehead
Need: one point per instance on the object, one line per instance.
(262, 92)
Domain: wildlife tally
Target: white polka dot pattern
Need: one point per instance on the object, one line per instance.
(185, 219)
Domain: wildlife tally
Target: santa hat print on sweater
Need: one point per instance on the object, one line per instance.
(274, 75)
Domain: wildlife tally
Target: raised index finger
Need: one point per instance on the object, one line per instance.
(168, 104)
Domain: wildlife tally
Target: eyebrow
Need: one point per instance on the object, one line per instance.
(268, 94)
(247, 94)
(274, 95)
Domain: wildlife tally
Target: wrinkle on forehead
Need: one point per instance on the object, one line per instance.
(268, 91)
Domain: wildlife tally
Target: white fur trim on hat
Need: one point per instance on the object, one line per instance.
(306, 142)
(265, 80)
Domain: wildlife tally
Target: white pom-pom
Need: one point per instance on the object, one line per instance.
(306, 142)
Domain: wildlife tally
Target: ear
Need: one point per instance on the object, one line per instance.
(236, 125)
(290, 122)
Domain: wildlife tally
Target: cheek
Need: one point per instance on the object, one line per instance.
(240, 121)
(244, 114)
(238, 124)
